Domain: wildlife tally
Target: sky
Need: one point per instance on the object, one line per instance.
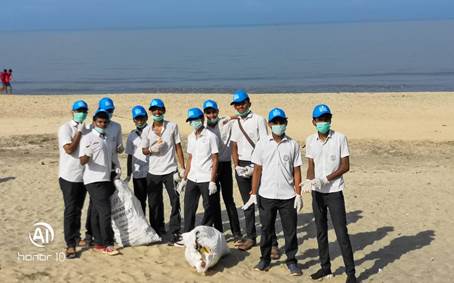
(100, 14)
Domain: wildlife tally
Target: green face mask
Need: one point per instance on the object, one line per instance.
(323, 127)
(159, 118)
(196, 124)
(79, 117)
(212, 122)
(244, 114)
(100, 130)
(141, 126)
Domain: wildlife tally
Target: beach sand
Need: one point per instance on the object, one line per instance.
(398, 193)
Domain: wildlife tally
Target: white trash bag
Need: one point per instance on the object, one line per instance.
(204, 247)
(128, 221)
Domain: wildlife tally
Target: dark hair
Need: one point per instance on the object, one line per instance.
(10, 70)
(5, 70)
(102, 115)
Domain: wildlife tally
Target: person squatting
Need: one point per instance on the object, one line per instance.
(264, 160)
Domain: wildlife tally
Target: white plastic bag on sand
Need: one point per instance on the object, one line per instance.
(204, 247)
(128, 221)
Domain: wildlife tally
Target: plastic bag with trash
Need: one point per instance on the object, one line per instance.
(128, 221)
(205, 246)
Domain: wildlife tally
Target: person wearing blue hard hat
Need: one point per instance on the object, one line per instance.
(161, 142)
(222, 128)
(97, 156)
(137, 162)
(277, 171)
(70, 175)
(201, 172)
(248, 129)
(327, 155)
(113, 133)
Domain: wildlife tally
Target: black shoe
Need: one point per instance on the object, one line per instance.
(351, 279)
(262, 266)
(294, 269)
(322, 274)
(176, 240)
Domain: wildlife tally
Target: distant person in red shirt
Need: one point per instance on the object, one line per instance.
(6, 77)
(3, 79)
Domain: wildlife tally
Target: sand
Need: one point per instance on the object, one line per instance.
(398, 192)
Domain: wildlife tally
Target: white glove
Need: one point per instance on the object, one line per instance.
(155, 148)
(248, 171)
(252, 200)
(80, 127)
(176, 177)
(317, 183)
(127, 179)
(306, 186)
(240, 170)
(298, 204)
(120, 148)
(118, 173)
(181, 186)
(212, 188)
(88, 151)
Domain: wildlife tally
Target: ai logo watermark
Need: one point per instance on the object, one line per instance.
(42, 235)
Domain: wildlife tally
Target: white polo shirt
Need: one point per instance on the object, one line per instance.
(69, 167)
(278, 161)
(99, 166)
(255, 126)
(165, 161)
(139, 160)
(223, 130)
(327, 156)
(201, 149)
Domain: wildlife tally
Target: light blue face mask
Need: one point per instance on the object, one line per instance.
(110, 115)
(196, 124)
(157, 118)
(323, 127)
(100, 130)
(244, 114)
(79, 117)
(278, 130)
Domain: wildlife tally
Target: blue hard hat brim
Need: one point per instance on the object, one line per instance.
(194, 118)
(324, 114)
(238, 101)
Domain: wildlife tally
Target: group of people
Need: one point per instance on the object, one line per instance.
(266, 164)
(7, 77)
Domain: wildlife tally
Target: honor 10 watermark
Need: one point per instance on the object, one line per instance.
(41, 236)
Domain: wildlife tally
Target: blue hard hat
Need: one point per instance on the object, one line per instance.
(79, 104)
(106, 104)
(320, 110)
(99, 111)
(210, 104)
(194, 113)
(156, 102)
(239, 96)
(276, 113)
(138, 111)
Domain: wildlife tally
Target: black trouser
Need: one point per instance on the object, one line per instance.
(156, 203)
(225, 185)
(140, 191)
(89, 231)
(191, 202)
(73, 197)
(245, 186)
(334, 202)
(268, 209)
(101, 222)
